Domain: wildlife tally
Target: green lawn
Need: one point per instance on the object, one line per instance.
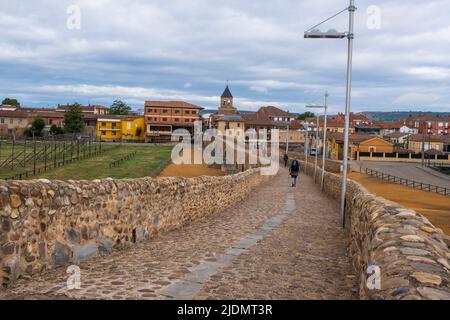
(148, 161)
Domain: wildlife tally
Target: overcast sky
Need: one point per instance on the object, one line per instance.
(187, 50)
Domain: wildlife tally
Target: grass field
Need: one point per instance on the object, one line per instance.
(149, 160)
(432, 205)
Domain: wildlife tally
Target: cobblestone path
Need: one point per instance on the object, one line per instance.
(280, 243)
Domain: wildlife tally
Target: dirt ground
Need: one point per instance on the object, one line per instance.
(189, 171)
(434, 206)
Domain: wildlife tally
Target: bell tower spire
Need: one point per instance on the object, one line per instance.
(226, 100)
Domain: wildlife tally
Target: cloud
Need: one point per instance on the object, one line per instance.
(416, 99)
(149, 49)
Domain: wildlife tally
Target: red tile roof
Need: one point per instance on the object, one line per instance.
(429, 138)
(272, 111)
(15, 114)
(353, 138)
(257, 119)
(172, 104)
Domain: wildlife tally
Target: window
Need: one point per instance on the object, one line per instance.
(3, 120)
(194, 112)
(103, 124)
(103, 133)
(11, 121)
(177, 111)
(372, 149)
(177, 119)
(128, 125)
(186, 120)
(164, 111)
(113, 133)
(164, 119)
(441, 124)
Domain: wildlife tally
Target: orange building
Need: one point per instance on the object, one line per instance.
(163, 117)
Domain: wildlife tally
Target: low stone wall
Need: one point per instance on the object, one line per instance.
(411, 254)
(330, 165)
(44, 224)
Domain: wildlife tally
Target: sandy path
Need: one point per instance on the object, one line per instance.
(434, 206)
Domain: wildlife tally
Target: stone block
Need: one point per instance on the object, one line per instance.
(105, 246)
(84, 252)
(62, 255)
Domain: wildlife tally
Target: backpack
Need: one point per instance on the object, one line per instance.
(295, 166)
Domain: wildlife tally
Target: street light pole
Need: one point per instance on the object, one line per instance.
(317, 146)
(325, 107)
(324, 141)
(350, 37)
(314, 33)
(306, 148)
(287, 139)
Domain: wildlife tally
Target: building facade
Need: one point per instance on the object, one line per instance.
(162, 118)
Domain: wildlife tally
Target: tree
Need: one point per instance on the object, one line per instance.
(11, 102)
(120, 108)
(305, 115)
(55, 130)
(36, 128)
(73, 119)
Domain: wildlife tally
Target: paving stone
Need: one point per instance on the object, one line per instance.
(424, 277)
(302, 255)
(434, 294)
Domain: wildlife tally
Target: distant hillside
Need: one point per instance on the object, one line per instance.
(397, 115)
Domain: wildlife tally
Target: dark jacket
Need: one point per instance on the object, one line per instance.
(292, 170)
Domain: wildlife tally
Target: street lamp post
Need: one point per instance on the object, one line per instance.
(332, 34)
(325, 107)
(306, 147)
(287, 139)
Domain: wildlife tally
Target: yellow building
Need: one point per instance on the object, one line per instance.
(377, 145)
(418, 142)
(133, 129)
(294, 136)
(120, 128)
(357, 143)
(231, 125)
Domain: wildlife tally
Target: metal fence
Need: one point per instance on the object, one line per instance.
(407, 182)
(122, 160)
(28, 157)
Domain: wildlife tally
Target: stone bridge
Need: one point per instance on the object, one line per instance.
(238, 237)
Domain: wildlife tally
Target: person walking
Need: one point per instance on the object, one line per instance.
(294, 170)
(285, 158)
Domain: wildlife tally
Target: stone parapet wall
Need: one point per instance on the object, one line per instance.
(330, 165)
(412, 255)
(45, 224)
